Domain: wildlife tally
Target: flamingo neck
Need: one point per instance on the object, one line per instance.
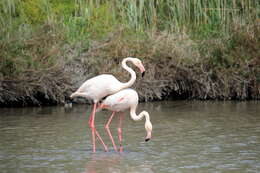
(140, 116)
(131, 71)
(148, 125)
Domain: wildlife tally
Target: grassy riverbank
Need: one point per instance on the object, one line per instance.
(190, 50)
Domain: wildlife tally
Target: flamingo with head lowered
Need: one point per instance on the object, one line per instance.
(120, 101)
(103, 85)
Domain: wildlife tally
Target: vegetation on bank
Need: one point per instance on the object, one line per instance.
(191, 49)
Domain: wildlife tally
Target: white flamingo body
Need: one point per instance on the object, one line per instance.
(99, 87)
(103, 85)
(121, 101)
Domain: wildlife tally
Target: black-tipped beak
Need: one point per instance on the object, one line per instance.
(69, 99)
(143, 74)
(147, 139)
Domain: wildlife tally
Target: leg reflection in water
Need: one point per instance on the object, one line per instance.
(107, 163)
(121, 163)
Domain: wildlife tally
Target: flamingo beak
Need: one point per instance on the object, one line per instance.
(143, 74)
(148, 137)
(142, 69)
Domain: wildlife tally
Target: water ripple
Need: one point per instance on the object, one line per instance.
(197, 137)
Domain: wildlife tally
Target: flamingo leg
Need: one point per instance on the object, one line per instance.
(90, 119)
(119, 130)
(102, 142)
(93, 129)
(108, 131)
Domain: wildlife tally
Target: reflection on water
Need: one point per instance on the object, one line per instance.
(113, 163)
(187, 137)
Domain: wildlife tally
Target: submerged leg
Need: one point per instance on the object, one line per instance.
(92, 126)
(119, 130)
(93, 129)
(108, 131)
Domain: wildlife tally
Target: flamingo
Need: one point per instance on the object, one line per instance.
(103, 85)
(120, 101)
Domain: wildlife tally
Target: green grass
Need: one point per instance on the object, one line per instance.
(99, 17)
(75, 22)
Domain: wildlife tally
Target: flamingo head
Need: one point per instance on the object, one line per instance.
(138, 63)
(148, 128)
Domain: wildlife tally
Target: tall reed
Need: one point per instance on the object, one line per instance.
(178, 14)
(102, 16)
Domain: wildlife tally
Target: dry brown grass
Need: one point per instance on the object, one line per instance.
(178, 67)
(32, 70)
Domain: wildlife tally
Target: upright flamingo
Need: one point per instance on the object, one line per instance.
(122, 100)
(103, 85)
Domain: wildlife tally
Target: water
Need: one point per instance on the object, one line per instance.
(187, 137)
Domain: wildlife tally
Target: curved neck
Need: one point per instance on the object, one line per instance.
(139, 116)
(148, 125)
(131, 71)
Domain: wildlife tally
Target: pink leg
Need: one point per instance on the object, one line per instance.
(94, 131)
(108, 130)
(102, 142)
(119, 129)
(91, 115)
(90, 119)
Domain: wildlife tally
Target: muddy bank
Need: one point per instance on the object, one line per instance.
(177, 67)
